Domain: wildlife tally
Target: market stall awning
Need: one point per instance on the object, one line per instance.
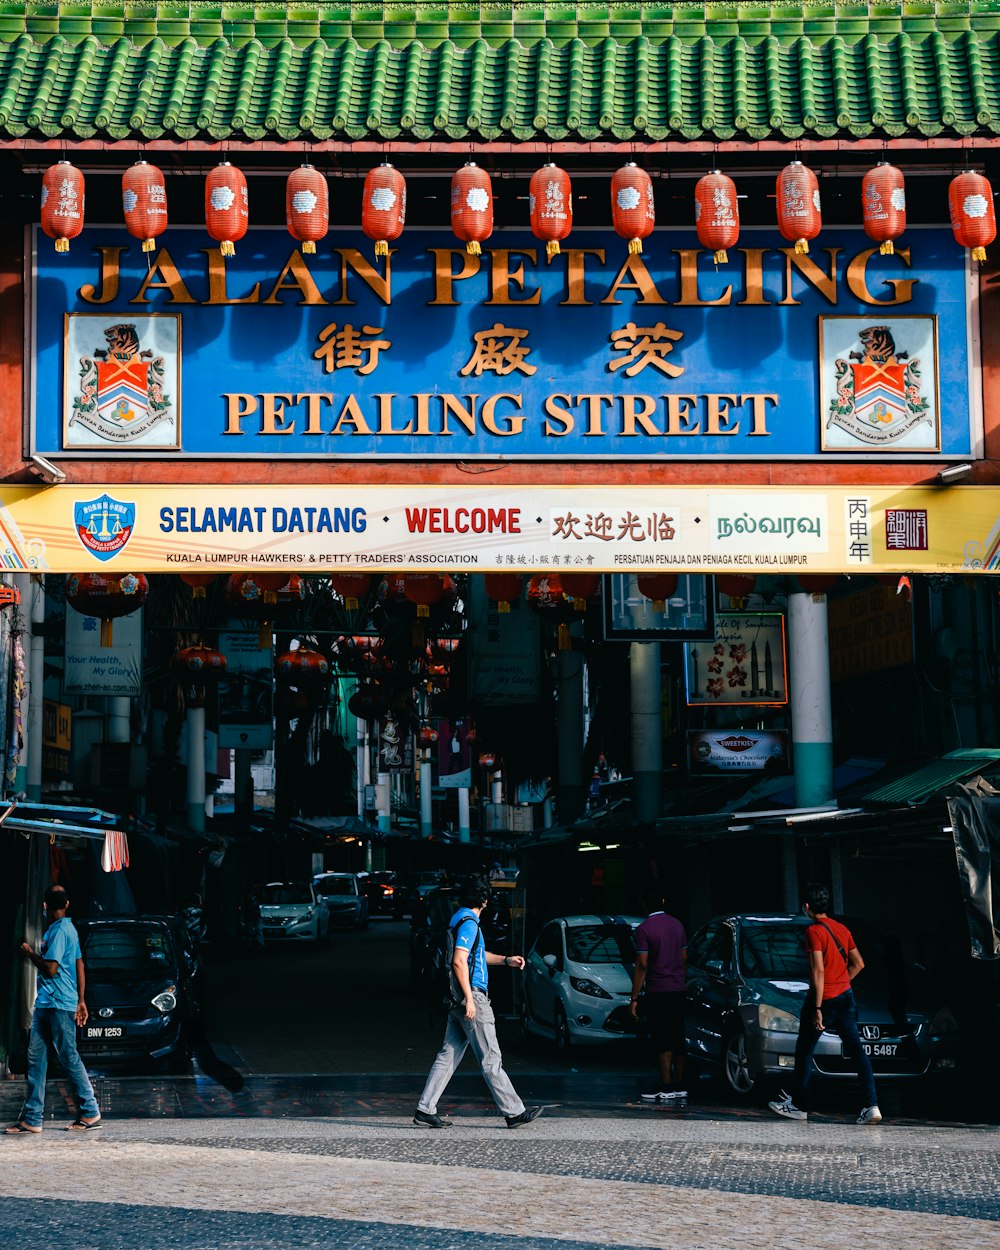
(188, 76)
(932, 779)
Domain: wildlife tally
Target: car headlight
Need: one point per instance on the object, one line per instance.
(944, 1023)
(775, 1020)
(166, 1001)
(584, 986)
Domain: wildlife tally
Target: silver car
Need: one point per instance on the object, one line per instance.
(578, 981)
(344, 898)
(291, 911)
(747, 980)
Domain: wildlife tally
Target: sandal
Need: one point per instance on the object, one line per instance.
(81, 1125)
(19, 1129)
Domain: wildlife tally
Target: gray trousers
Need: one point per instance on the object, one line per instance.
(481, 1035)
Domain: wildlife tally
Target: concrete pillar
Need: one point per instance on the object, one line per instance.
(36, 665)
(384, 803)
(809, 700)
(23, 583)
(361, 728)
(464, 825)
(647, 730)
(426, 810)
(243, 789)
(496, 788)
(118, 717)
(196, 768)
(570, 787)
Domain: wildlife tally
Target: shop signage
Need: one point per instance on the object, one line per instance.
(90, 668)
(606, 529)
(57, 739)
(435, 354)
(737, 751)
(245, 717)
(870, 630)
(743, 666)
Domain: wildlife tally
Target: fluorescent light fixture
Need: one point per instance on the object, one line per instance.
(954, 473)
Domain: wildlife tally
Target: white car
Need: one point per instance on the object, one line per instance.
(578, 980)
(291, 911)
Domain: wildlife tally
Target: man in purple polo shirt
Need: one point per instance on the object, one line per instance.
(661, 967)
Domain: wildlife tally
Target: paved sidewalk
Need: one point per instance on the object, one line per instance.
(566, 1182)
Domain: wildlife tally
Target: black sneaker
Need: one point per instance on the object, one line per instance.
(424, 1119)
(526, 1116)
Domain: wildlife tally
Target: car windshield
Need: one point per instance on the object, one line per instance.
(774, 951)
(114, 950)
(600, 944)
(282, 895)
(337, 885)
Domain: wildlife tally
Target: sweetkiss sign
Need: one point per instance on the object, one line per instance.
(432, 353)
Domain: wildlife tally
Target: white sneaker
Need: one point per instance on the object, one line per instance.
(665, 1095)
(783, 1106)
(869, 1115)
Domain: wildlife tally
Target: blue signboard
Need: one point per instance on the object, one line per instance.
(591, 354)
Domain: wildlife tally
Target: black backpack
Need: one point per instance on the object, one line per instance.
(442, 990)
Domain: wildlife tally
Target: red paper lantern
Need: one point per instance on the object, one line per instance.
(425, 590)
(383, 206)
(550, 204)
(658, 587)
(545, 592)
(736, 585)
(303, 664)
(62, 203)
(144, 203)
(307, 206)
(883, 205)
(973, 217)
(580, 587)
(503, 588)
(632, 208)
(106, 596)
(716, 214)
(227, 206)
(817, 583)
(199, 664)
(197, 582)
(472, 207)
(799, 218)
(351, 587)
(488, 761)
(368, 702)
(426, 737)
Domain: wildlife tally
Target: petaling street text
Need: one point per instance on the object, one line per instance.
(326, 414)
(681, 277)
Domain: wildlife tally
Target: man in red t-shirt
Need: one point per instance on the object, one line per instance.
(834, 962)
(661, 971)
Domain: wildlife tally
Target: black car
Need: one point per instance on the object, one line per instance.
(747, 980)
(412, 888)
(381, 889)
(141, 994)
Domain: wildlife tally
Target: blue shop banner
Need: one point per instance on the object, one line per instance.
(842, 353)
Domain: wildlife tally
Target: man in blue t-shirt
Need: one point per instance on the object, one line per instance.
(470, 1020)
(59, 1009)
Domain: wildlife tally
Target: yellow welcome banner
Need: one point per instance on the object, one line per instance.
(394, 529)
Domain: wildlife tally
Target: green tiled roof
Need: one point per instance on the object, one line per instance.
(930, 779)
(627, 90)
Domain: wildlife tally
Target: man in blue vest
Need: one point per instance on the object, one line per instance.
(59, 1009)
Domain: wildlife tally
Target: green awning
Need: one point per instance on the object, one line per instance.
(929, 779)
(612, 89)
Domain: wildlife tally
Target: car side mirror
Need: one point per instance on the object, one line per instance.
(550, 962)
(714, 966)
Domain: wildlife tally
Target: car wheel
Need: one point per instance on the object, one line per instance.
(737, 1073)
(561, 1033)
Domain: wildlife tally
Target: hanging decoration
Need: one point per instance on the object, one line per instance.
(632, 207)
(550, 205)
(503, 589)
(738, 586)
(716, 214)
(303, 664)
(658, 587)
(199, 664)
(799, 217)
(106, 596)
(254, 594)
(197, 582)
(62, 203)
(368, 702)
(973, 217)
(546, 594)
(580, 587)
(883, 206)
(227, 206)
(425, 590)
(472, 207)
(488, 760)
(427, 737)
(351, 587)
(817, 583)
(383, 206)
(307, 207)
(144, 203)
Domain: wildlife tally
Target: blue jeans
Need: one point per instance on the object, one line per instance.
(840, 1016)
(50, 1026)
